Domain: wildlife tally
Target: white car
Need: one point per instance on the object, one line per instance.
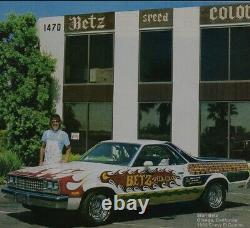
(156, 170)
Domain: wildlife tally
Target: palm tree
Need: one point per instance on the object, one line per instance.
(219, 113)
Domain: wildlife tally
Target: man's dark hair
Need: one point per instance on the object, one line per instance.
(55, 117)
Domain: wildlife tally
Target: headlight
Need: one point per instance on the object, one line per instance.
(56, 186)
(11, 180)
(49, 185)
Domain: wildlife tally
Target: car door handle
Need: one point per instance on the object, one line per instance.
(180, 173)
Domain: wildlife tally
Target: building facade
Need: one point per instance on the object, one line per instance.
(181, 75)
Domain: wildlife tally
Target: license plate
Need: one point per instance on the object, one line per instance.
(21, 198)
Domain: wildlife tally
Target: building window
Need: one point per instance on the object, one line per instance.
(225, 129)
(100, 122)
(154, 121)
(225, 54)
(89, 59)
(213, 129)
(87, 124)
(240, 53)
(155, 56)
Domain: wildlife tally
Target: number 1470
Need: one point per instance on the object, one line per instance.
(52, 27)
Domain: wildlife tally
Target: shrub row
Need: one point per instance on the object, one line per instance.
(9, 161)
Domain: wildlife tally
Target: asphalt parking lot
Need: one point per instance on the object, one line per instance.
(188, 215)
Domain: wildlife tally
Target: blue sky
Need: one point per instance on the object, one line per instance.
(59, 8)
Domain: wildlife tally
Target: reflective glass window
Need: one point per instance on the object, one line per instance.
(221, 136)
(76, 60)
(75, 121)
(240, 130)
(89, 59)
(100, 123)
(154, 121)
(87, 124)
(214, 54)
(240, 53)
(213, 129)
(101, 58)
(156, 56)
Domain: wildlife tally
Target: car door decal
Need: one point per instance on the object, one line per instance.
(215, 167)
(132, 180)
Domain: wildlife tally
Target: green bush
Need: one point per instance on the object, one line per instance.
(3, 139)
(9, 161)
(2, 180)
(27, 88)
(74, 157)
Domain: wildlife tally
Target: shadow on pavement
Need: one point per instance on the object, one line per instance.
(61, 218)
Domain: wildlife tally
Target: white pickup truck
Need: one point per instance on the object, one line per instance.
(155, 170)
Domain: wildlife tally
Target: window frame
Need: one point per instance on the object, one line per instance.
(88, 34)
(228, 124)
(87, 124)
(139, 56)
(229, 27)
(157, 102)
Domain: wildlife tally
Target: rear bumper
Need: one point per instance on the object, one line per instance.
(41, 199)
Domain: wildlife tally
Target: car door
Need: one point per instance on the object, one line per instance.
(159, 174)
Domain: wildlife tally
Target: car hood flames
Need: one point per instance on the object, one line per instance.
(62, 170)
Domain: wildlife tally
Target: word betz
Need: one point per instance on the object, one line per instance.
(92, 22)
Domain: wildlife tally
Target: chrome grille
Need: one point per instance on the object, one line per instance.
(29, 184)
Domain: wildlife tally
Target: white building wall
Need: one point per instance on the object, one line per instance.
(185, 103)
(125, 99)
(52, 43)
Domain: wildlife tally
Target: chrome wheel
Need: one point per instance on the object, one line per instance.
(215, 196)
(96, 212)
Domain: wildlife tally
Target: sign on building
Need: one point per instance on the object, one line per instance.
(89, 22)
(156, 18)
(239, 13)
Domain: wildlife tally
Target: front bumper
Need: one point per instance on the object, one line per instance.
(42, 199)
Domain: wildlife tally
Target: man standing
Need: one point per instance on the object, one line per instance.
(53, 141)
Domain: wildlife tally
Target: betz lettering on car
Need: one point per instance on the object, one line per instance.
(135, 179)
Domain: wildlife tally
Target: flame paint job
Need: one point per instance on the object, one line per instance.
(141, 179)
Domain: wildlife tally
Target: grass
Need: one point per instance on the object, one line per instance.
(2, 180)
(9, 161)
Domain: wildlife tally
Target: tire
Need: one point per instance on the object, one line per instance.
(91, 211)
(214, 197)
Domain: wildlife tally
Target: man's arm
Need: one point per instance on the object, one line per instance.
(42, 152)
(67, 154)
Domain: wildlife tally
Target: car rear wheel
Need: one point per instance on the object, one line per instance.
(91, 211)
(214, 197)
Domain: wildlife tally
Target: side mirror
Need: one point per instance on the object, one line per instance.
(148, 163)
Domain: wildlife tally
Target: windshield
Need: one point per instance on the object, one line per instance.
(112, 153)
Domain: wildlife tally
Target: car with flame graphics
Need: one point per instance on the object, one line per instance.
(155, 170)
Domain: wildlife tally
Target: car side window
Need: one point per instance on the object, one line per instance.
(160, 155)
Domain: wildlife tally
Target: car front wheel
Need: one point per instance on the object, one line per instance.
(214, 197)
(91, 210)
